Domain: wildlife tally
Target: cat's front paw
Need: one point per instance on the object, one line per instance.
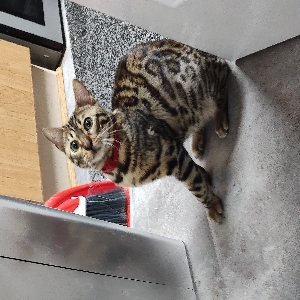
(221, 132)
(215, 211)
(221, 125)
(198, 144)
(198, 151)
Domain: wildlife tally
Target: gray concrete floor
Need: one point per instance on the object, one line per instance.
(254, 253)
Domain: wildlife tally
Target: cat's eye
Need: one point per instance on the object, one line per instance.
(88, 123)
(74, 146)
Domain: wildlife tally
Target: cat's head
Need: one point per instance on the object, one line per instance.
(87, 137)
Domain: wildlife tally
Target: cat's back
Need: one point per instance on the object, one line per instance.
(168, 80)
(164, 52)
(160, 67)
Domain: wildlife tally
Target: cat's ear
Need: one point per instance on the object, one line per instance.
(55, 135)
(82, 95)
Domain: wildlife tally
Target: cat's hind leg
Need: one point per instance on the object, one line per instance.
(197, 181)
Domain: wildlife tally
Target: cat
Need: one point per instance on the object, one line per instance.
(163, 92)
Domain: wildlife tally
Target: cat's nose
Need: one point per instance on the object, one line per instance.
(87, 143)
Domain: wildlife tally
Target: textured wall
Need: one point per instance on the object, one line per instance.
(98, 42)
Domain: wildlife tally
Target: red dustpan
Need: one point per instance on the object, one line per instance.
(102, 200)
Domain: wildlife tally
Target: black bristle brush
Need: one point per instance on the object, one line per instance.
(108, 206)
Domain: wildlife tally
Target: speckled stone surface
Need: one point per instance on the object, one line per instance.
(98, 41)
(254, 253)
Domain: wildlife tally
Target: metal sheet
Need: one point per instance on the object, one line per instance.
(23, 280)
(37, 234)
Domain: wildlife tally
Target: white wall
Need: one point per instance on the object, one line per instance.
(228, 28)
(53, 163)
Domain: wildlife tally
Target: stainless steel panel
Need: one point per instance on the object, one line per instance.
(45, 42)
(36, 234)
(52, 28)
(40, 56)
(23, 280)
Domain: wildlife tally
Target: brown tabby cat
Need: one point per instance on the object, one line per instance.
(163, 92)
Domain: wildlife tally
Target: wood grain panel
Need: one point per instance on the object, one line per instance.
(64, 117)
(20, 175)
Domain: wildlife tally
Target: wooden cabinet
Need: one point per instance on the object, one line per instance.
(20, 174)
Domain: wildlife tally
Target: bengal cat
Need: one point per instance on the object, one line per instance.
(164, 91)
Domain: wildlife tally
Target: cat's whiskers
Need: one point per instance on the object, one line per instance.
(106, 129)
(111, 140)
(111, 145)
(102, 134)
(118, 130)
